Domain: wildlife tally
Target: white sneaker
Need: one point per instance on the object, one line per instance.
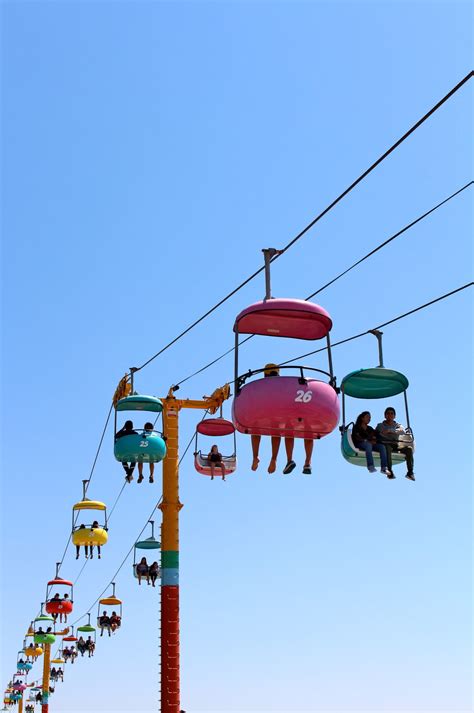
(371, 469)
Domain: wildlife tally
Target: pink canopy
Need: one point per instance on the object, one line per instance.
(215, 427)
(284, 318)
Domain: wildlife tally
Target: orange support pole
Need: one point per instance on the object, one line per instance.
(170, 507)
(46, 678)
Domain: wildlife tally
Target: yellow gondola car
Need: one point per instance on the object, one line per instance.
(94, 533)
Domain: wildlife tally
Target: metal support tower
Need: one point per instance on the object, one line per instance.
(170, 507)
(46, 678)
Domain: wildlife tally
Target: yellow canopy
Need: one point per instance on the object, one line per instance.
(110, 601)
(89, 505)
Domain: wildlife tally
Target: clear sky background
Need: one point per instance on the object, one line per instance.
(150, 150)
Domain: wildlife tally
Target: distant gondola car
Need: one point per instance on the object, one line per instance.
(216, 428)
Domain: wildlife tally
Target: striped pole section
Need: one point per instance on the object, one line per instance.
(46, 670)
(170, 507)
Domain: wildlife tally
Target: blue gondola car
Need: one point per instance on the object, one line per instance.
(141, 445)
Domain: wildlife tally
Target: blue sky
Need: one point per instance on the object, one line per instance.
(150, 150)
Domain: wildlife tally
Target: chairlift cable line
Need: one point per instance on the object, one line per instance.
(318, 217)
(229, 351)
(389, 240)
(116, 501)
(358, 262)
(385, 324)
(80, 571)
(379, 160)
(99, 446)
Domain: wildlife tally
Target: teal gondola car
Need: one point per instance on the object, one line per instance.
(22, 665)
(372, 383)
(141, 445)
(151, 543)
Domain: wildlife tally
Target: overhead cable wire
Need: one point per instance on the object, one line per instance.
(317, 218)
(427, 304)
(99, 446)
(80, 571)
(389, 240)
(380, 159)
(333, 280)
(229, 351)
(116, 500)
(384, 324)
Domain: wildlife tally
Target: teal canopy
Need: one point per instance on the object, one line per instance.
(375, 383)
(149, 544)
(139, 402)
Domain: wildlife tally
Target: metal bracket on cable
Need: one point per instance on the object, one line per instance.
(269, 254)
(378, 335)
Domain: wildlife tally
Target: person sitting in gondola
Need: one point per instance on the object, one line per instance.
(81, 645)
(66, 653)
(78, 547)
(56, 599)
(127, 430)
(396, 440)
(364, 438)
(53, 674)
(154, 572)
(95, 525)
(269, 371)
(143, 570)
(60, 673)
(115, 621)
(215, 461)
(104, 623)
(63, 615)
(90, 646)
(38, 698)
(147, 431)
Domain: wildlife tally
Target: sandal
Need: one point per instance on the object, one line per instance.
(150, 479)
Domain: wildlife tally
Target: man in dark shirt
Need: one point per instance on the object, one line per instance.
(127, 430)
